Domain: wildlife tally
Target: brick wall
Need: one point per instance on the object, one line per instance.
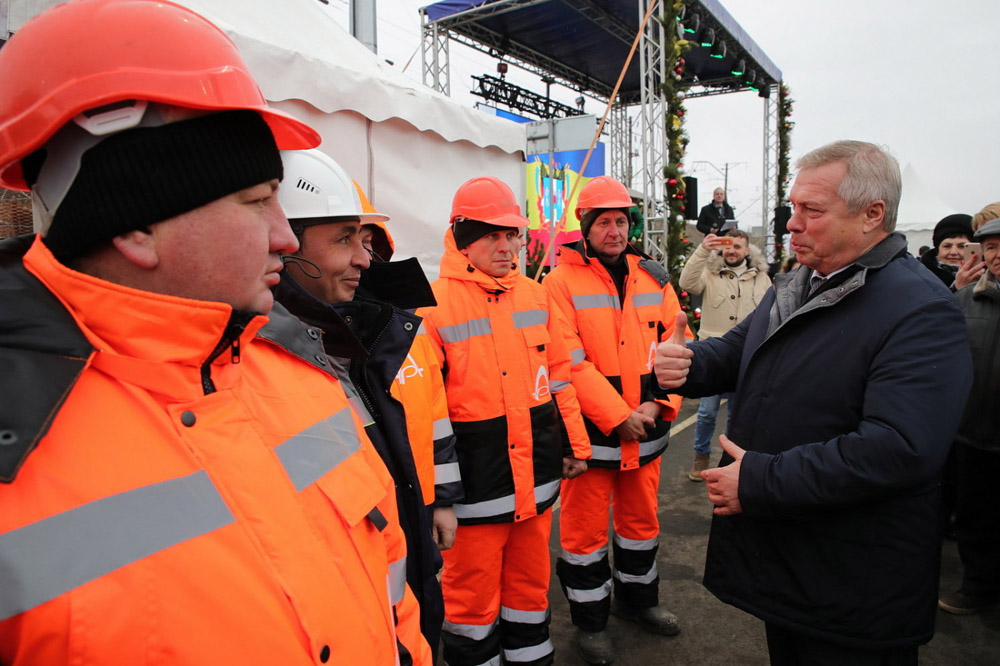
(15, 213)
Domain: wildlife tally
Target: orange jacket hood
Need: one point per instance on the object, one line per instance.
(456, 265)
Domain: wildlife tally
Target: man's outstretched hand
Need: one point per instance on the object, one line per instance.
(723, 483)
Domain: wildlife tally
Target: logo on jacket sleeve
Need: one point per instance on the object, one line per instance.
(541, 383)
(409, 370)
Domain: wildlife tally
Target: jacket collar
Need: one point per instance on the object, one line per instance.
(575, 254)
(134, 324)
(790, 289)
(986, 287)
(399, 283)
(338, 340)
(372, 332)
(40, 338)
(31, 317)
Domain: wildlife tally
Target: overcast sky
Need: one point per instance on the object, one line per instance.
(921, 77)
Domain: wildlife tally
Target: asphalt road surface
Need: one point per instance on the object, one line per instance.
(713, 633)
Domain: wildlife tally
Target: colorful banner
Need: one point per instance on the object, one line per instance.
(549, 185)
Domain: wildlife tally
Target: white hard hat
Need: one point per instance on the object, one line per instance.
(316, 188)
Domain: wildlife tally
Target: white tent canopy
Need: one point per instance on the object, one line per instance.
(919, 210)
(408, 146)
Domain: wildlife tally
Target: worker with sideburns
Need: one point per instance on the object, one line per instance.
(518, 431)
(614, 304)
(181, 478)
(321, 286)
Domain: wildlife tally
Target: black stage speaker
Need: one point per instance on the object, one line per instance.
(781, 216)
(690, 197)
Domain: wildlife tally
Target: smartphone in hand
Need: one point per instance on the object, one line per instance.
(972, 249)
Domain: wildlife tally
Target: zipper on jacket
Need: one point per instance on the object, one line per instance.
(230, 340)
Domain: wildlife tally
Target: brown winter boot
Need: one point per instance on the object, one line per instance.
(700, 465)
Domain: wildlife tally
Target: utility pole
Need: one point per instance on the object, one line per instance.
(724, 171)
(364, 23)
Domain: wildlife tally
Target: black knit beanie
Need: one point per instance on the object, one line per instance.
(957, 224)
(149, 174)
(468, 232)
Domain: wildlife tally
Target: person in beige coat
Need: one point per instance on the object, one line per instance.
(731, 275)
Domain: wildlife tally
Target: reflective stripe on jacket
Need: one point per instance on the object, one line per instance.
(503, 361)
(612, 345)
(419, 385)
(250, 523)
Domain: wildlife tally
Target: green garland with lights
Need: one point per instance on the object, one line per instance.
(785, 125)
(785, 104)
(673, 89)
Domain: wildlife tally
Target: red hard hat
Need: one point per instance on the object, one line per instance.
(89, 53)
(603, 192)
(487, 199)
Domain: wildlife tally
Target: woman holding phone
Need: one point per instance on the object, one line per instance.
(945, 259)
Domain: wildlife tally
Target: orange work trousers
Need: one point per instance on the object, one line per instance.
(496, 585)
(583, 566)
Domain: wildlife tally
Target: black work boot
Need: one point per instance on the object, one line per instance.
(655, 618)
(595, 647)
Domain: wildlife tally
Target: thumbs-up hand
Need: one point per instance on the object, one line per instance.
(673, 358)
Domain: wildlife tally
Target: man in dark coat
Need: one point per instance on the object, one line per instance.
(714, 215)
(826, 518)
(366, 341)
(977, 444)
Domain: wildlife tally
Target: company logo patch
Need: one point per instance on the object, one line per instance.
(652, 355)
(541, 383)
(409, 370)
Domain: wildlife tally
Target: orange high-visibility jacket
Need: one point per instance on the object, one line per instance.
(613, 345)
(184, 510)
(503, 361)
(419, 385)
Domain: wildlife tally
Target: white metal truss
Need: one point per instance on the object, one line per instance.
(435, 56)
(769, 186)
(621, 144)
(653, 136)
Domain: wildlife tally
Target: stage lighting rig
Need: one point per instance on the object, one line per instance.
(516, 98)
(692, 24)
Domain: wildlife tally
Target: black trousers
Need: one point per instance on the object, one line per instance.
(788, 648)
(977, 521)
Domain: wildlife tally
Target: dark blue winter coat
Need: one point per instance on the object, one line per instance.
(847, 406)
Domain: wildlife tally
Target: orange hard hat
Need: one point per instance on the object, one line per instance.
(369, 215)
(487, 199)
(382, 242)
(85, 54)
(602, 192)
